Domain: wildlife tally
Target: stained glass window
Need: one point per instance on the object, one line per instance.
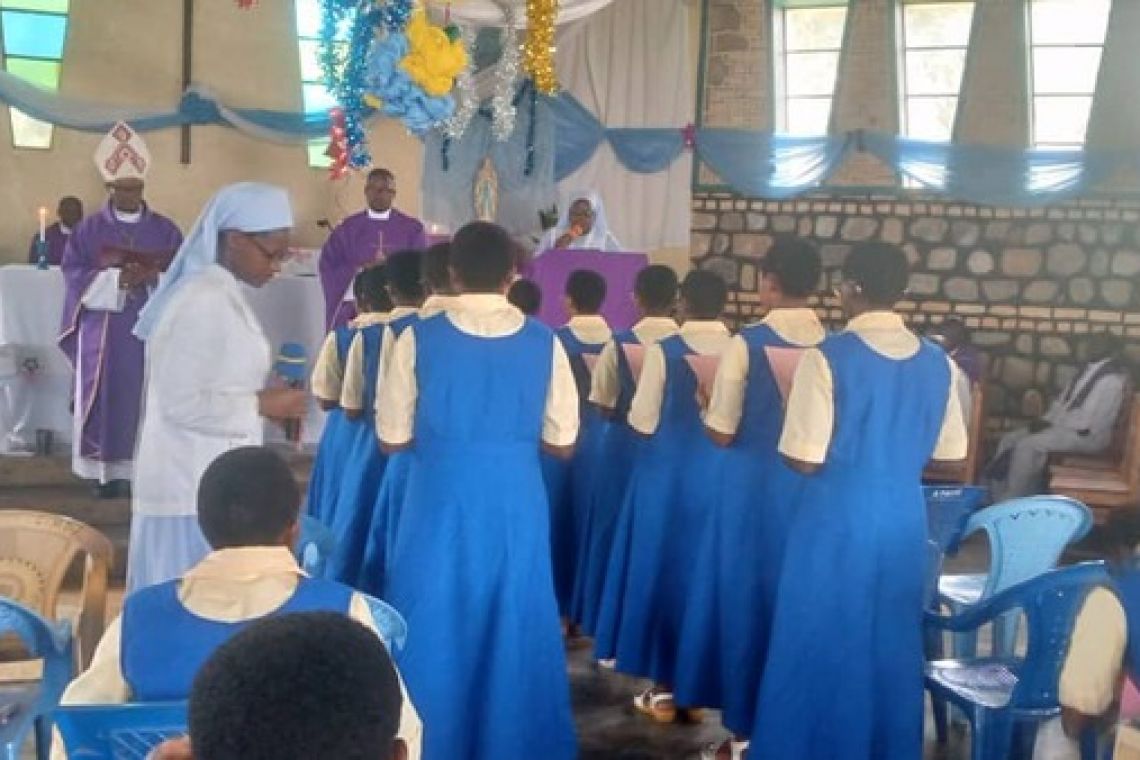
(1066, 39)
(809, 38)
(32, 36)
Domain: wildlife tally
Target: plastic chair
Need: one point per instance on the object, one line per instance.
(314, 546)
(1026, 538)
(30, 705)
(390, 623)
(998, 693)
(948, 508)
(119, 732)
(36, 551)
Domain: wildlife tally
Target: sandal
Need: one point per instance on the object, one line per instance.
(656, 704)
(736, 750)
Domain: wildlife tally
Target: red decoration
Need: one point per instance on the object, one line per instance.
(245, 5)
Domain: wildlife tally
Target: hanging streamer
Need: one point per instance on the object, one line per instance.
(506, 74)
(538, 51)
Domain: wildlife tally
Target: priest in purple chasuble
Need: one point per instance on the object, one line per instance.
(362, 239)
(70, 214)
(110, 266)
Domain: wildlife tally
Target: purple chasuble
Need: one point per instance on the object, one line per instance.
(357, 241)
(107, 357)
(56, 241)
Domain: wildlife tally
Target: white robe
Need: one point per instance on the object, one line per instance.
(206, 361)
(1084, 429)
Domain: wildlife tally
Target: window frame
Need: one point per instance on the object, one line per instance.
(5, 57)
(779, 61)
(313, 158)
(903, 48)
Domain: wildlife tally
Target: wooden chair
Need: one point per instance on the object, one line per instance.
(36, 551)
(965, 471)
(1104, 484)
(1111, 457)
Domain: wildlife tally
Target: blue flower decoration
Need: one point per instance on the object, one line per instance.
(399, 96)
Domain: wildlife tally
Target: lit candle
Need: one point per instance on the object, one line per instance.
(43, 224)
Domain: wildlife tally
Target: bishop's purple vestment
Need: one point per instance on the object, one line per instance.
(357, 241)
(56, 240)
(107, 357)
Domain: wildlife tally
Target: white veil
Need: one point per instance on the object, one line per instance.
(598, 238)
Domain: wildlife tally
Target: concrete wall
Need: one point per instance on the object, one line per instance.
(1029, 282)
(129, 52)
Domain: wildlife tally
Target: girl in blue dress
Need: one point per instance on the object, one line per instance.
(651, 563)
(327, 386)
(740, 544)
(611, 390)
(473, 395)
(868, 409)
(365, 463)
(568, 483)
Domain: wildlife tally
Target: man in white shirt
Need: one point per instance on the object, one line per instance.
(1080, 420)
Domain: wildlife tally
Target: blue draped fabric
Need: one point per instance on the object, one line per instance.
(646, 150)
(990, 174)
(769, 165)
(579, 134)
(450, 168)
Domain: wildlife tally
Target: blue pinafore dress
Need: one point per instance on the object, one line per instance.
(843, 677)
(740, 548)
(568, 482)
(363, 472)
(669, 495)
(386, 501)
(324, 482)
(470, 565)
(616, 448)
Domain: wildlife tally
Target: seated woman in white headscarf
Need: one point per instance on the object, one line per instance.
(208, 362)
(582, 225)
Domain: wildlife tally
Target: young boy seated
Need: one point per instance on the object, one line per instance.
(248, 503)
(297, 687)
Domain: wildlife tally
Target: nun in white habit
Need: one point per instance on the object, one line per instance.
(582, 225)
(207, 365)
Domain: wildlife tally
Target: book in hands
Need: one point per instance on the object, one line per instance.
(154, 262)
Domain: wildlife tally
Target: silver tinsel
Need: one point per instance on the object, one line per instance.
(466, 100)
(506, 75)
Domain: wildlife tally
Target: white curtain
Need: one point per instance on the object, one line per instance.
(629, 64)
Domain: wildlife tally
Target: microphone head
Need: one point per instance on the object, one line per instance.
(291, 362)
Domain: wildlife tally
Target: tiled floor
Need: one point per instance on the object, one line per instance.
(609, 729)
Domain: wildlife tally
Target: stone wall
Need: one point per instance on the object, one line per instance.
(1029, 282)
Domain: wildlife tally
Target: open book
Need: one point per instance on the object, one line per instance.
(154, 261)
(784, 362)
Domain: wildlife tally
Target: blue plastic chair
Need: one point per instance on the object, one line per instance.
(998, 693)
(119, 732)
(390, 623)
(314, 546)
(948, 508)
(1026, 538)
(29, 705)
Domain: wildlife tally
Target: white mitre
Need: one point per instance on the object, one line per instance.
(122, 154)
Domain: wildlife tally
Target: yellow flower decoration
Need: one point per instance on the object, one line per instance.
(434, 60)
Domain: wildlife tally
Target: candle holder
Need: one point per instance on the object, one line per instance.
(41, 254)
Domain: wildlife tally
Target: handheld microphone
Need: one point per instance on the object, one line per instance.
(290, 367)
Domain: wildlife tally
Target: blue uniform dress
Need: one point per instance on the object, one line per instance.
(643, 601)
(387, 502)
(843, 679)
(363, 471)
(470, 566)
(616, 448)
(740, 549)
(324, 483)
(568, 482)
(164, 644)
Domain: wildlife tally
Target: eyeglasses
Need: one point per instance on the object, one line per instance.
(277, 257)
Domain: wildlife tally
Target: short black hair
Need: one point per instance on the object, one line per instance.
(880, 270)
(297, 687)
(371, 289)
(381, 173)
(404, 278)
(247, 497)
(436, 271)
(482, 256)
(586, 290)
(704, 294)
(525, 295)
(656, 288)
(955, 329)
(69, 200)
(795, 263)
